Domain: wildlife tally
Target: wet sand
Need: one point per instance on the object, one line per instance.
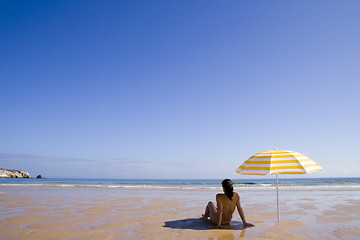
(101, 213)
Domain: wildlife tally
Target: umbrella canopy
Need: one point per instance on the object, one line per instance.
(278, 162)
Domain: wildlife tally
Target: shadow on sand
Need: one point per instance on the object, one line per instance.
(200, 224)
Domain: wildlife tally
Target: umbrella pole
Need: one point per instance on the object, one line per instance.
(277, 197)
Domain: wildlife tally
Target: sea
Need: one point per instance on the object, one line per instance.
(262, 184)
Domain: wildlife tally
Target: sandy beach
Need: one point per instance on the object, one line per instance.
(98, 213)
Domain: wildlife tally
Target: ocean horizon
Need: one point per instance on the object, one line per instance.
(262, 184)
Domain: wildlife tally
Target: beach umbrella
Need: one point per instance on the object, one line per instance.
(278, 162)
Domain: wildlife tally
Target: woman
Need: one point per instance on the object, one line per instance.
(226, 204)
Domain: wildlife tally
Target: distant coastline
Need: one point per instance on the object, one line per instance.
(6, 173)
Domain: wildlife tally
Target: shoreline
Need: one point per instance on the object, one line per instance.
(297, 184)
(205, 189)
(114, 213)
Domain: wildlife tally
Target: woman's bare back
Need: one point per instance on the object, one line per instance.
(228, 206)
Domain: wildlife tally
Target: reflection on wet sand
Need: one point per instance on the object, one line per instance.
(230, 236)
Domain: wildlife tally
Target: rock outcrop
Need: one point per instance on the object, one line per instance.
(40, 176)
(4, 173)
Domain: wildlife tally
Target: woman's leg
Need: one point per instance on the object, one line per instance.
(206, 214)
(211, 211)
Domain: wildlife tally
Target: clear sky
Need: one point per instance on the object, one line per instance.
(177, 89)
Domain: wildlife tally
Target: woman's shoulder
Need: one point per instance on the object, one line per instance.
(220, 196)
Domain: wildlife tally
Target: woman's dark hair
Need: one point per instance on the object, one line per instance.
(228, 188)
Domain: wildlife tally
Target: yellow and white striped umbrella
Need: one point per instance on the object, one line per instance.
(278, 162)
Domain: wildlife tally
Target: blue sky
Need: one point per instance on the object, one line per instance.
(177, 89)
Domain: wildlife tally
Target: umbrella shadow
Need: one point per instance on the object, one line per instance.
(200, 224)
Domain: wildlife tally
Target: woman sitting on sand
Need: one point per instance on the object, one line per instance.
(226, 203)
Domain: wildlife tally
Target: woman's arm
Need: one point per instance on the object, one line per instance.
(220, 210)
(241, 213)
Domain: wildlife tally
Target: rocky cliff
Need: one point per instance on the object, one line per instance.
(4, 173)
